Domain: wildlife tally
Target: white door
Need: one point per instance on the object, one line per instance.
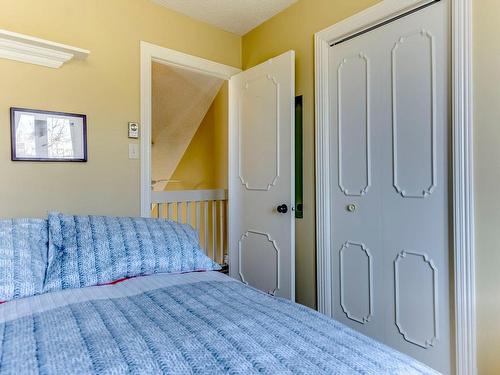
(261, 176)
(390, 165)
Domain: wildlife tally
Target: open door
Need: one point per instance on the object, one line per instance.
(261, 176)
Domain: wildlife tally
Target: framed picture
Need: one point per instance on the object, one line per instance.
(48, 136)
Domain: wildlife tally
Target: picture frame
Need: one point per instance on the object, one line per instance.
(47, 136)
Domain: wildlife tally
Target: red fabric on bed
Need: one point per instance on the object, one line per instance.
(116, 281)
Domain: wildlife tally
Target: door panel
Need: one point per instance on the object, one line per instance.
(413, 114)
(357, 234)
(259, 133)
(416, 313)
(353, 141)
(261, 177)
(257, 251)
(395, 136)
(356, 284)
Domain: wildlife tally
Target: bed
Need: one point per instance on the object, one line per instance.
(189, 323)
(116, 295)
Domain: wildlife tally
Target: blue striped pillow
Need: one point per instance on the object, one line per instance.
(23, 255)
(93, 250)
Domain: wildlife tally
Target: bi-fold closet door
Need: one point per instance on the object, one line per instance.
(390, 161)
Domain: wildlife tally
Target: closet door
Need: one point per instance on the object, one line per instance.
(390, 163)
(261, 176)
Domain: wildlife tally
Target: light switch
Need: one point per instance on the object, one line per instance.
(133, 151)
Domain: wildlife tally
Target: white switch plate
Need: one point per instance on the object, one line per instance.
(133, 151)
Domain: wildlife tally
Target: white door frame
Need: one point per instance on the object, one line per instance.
(462, 162)
(150, 53)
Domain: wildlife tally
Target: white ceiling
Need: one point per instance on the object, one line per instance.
(236, 16)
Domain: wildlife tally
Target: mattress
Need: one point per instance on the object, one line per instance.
(194, 323)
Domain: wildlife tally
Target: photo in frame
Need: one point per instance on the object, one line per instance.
(48, 136)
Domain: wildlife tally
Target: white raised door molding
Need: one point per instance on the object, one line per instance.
(28, 49)
(462, 162)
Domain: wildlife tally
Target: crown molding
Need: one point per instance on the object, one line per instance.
(28, 49)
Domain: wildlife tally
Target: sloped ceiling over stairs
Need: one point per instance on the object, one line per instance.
(181, 99)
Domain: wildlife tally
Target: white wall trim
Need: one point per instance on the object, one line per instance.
(150, 53)
(462, 142)
(28, 49)
(463, 187)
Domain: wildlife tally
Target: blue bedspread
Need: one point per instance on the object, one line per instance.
(199, 327)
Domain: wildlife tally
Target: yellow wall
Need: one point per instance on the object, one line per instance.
(204, 164)
(294, 29)
(221, 111)
(196, 167)
(487, 176)
(106, 87)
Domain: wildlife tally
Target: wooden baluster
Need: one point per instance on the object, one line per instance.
(205, 217)
(214, 230)
(188, 213)
(170, 210)
(221, 230)
(198, 218)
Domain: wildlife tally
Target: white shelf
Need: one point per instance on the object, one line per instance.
(28, 49)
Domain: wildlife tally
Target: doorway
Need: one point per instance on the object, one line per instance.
(189, 153)
(260, 208)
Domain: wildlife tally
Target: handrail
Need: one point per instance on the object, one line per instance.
(188, 196)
